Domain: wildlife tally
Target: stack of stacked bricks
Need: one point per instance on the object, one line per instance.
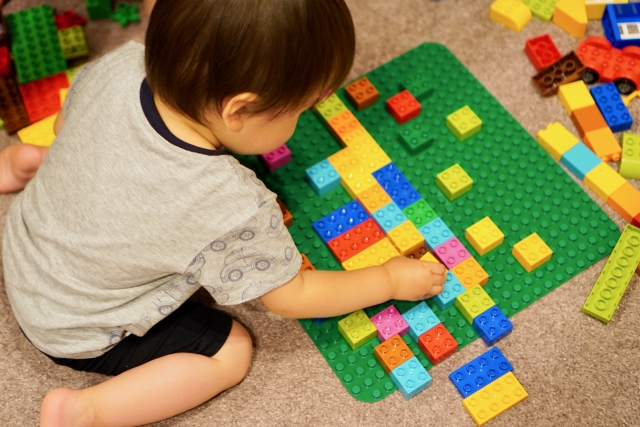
(488, 386)
(597, 114)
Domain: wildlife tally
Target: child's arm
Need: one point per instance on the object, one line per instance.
(315, 293)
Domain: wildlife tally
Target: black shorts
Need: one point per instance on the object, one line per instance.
(192, 328)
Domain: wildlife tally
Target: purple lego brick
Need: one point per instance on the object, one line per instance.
(389, 322)
(452, 252)
(277, 158)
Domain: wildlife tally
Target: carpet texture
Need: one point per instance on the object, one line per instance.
(577, 371)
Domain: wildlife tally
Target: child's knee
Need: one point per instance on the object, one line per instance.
(237, 351)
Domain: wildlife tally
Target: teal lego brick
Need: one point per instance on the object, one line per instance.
(516, 183)
(98, 9)
(34, 43)
(541, 9)
(615, 277)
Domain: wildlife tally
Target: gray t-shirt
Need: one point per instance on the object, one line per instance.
(120, 225)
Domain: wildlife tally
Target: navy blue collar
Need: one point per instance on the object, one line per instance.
(156, 122)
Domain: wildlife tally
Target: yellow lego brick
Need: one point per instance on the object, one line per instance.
(63, 96)
(628, 98)
(371, 156)
(484, 236)
(356, 181)
(603, 180)
(330, 107)
(494, 398)
(374, 198)
(531, 252)
(430, 258)
(556, 140)
(571, 16)
(574, 96)
(71, 72)
(357, 329)
(73, 42)
(454, 182)
(358, 135)
(464, 123)
(344, 161)
(470, 273)
(473, 302)
(405, 237)
(512, 14)
(595, 8)
(39, 133)
(377, 254)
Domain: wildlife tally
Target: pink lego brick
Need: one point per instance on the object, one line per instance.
(277, 158)
(389, 322)
(451, 252)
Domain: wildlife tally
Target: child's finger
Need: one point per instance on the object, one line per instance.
(436, 268)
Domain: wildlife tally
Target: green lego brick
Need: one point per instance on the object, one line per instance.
(420, 213)
(357, 329)
(464, 123)
(419, 85)
(73, 42)
(34, 43)
(125, 14)
(416, 135)
(473, 301)
(98, 9)
(630, 162)
(615, 277)
(330, 107)
(542, 9)
(454, 182)
(517, 184)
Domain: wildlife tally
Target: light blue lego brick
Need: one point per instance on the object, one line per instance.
(481, 371)
(611, 106)
(420, 319)
(452, 288)
(580, 160)
(435, 233)
(389, 217)
(323, 177)
(411, 377)
(492, 325)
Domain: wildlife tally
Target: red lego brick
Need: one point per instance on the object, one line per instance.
(542, 51)
(437, 343)
(68, 19)
(306, 264)
(42, 97)
(362, 93)
(355, 240)
(286, 214)
(5, 62)
(403, 107)
(12, 109)
(392, 353)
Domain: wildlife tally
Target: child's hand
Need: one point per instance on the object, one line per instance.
(413, 279)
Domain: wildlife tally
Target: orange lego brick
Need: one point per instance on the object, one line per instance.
(588, 119)
(626, 201)
(470, 273)
(362, 93)
(287, 217)
(343, 124)
(374, 198)
(531, 252)
(392, 353)
(306, 264)
(604, 144)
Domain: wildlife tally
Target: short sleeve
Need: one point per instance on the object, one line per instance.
(68, 101)
(248, 261)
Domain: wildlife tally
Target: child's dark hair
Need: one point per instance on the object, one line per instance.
(200, 52)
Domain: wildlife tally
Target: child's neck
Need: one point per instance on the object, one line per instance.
(186, 129)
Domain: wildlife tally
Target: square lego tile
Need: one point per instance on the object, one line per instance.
(626, 201)
(452, 288)
(438, 344)
(588, 119)
(323, 177)
(392, 353)
(531, 252)
(420, 213)
(604, 143)
(473, 302)
(403, 107)
(464, 123)
(374, 198)
(470, 273)
(389, 217)
(574, 96)
(454, 182)
(362, 93)
(420, 319)
(484, 236)
(603, 180)
(357, 329)
(492, 325)
(452, 252)
(405, 237)
(389, 322)
(435, 233)
(411, 378)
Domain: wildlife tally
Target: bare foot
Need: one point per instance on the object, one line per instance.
(18, 164)
(64, 407)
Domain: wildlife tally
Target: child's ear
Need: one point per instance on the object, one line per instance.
(234, 110)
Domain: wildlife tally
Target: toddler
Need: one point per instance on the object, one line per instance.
(138, 203)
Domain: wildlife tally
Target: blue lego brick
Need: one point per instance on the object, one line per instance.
(411, 378)
(619, 22)
(580, 160)
(452, 288)
(492, 325)
(340, 220)
(396, 185)
(323, 177)
(319, 320)
(481, 371)
(611, 106)
(435, 233)
(420, 319)
(389, 217)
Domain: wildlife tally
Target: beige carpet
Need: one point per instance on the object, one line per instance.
(578, 371)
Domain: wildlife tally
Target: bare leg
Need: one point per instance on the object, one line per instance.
(154, 391)
(18, 164)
